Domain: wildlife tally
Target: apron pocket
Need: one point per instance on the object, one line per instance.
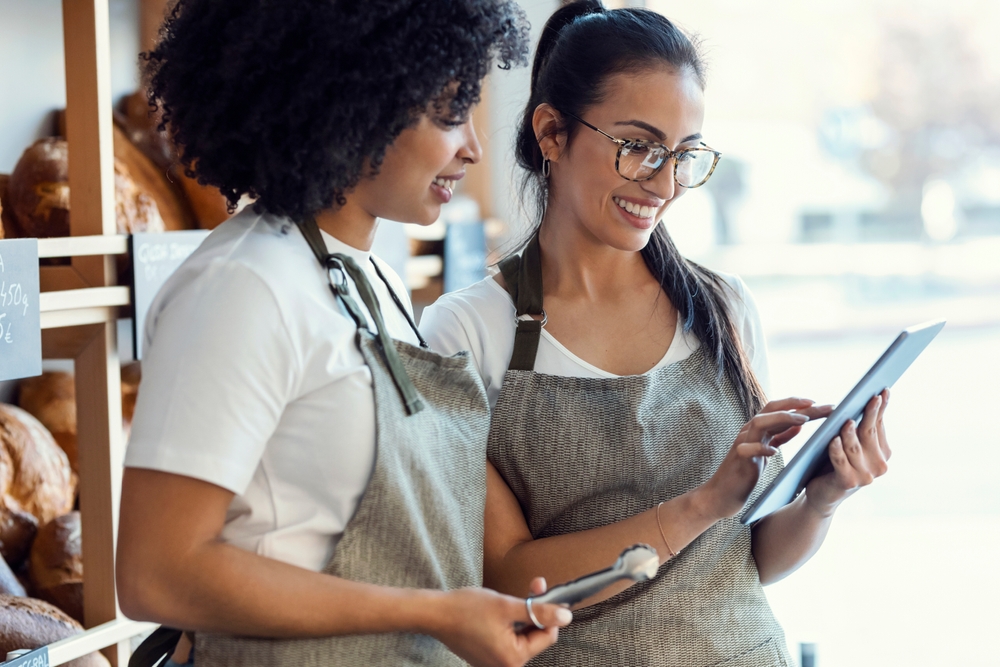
(765, 654)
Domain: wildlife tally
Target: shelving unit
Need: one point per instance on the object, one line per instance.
(80, 305)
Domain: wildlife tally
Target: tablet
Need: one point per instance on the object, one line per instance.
(812, 457)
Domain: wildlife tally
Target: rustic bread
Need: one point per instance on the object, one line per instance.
(39, 189)
(35, 479)
(27, 623)
(56, 564)
(205, 205)
(135, 211)
(151, 179)
(40, 199)
(51, 399)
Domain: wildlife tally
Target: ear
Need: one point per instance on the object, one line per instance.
(549, 131)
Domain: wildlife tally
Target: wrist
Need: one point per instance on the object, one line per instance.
(420, 611)
(821, 508)
(431, 612)
(703, 504)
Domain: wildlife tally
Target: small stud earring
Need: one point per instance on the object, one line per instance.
(546, 168)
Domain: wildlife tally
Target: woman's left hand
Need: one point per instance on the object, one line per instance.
(858, 455)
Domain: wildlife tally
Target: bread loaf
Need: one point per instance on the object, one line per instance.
(35, 479)
(40, 198)
(51, 399)
(39, 189)
(56, 564)
(206, 205)
(27, 623)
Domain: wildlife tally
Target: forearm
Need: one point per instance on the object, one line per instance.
(785, 540)
(221, 588)
(566, 557)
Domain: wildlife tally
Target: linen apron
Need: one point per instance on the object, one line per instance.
(419, 523)
(579, 453)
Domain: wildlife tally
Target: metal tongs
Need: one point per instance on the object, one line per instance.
(639, 562)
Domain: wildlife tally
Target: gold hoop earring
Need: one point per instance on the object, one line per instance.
(546, 168)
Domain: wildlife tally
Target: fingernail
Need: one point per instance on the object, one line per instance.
(564, 616)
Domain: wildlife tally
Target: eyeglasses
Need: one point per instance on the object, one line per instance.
(640, 160)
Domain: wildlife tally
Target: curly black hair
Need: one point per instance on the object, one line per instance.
(288, 101)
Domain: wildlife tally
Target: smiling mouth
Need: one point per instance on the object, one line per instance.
(445, 183)
(635, 209)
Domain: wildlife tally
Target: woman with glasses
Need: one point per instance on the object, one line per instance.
(627, 381)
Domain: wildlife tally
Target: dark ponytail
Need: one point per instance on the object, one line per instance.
(581, 46)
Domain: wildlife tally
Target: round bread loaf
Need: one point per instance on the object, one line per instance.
(56, 564)
(39, 194)
(135, 211)
(35, 479)
(51, 399)
(27, 623)
(39, 189)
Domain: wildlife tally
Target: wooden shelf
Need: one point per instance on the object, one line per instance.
(80, 304)
(82, 246)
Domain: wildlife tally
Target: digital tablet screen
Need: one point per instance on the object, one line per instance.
(812, 457)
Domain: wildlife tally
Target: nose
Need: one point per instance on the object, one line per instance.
(471, 151)
(662, 184)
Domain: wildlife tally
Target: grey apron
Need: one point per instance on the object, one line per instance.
(585, 452)
(420, 521)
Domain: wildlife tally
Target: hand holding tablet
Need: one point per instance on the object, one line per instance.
(813, 457)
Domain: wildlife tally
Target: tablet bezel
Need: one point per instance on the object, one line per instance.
(813, 455)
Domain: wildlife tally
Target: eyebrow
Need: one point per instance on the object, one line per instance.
(656, 132)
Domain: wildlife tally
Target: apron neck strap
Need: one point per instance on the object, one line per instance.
(522, 276)
(339, 267)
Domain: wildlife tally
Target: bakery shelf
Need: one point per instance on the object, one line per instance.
(90, 297)
(95, 639)
(82, 246)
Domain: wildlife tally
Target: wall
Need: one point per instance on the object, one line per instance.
(32, 71)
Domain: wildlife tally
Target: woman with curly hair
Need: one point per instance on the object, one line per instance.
(628, 380)
(305, 480)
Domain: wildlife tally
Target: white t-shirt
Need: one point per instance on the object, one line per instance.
(480, 318)
(252, 381)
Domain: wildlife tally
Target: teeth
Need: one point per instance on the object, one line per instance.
(635, 209)
(444, 183)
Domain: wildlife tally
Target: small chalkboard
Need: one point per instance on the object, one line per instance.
(155, 257)
(37, 658)
(464, 255)
(20, 317)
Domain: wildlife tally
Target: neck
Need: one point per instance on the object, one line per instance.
(349, 224)
(577, 263)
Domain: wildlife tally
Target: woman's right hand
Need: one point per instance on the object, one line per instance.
(778, 422)
(477, 624)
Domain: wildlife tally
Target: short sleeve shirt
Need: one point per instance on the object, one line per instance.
(252, 381)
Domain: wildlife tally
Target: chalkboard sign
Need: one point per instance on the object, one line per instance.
(37, 658)
(464, 255)
(20, 317)
(155, 257)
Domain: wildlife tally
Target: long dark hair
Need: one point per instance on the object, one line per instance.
(581, 46)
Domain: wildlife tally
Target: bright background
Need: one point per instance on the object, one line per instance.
(860, 194)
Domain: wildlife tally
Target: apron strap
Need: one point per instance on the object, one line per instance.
(399, 304)
(523, 278)
(156, 648)
(344, 265)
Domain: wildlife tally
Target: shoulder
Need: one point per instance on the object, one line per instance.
(479, 318)
(477, 307)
